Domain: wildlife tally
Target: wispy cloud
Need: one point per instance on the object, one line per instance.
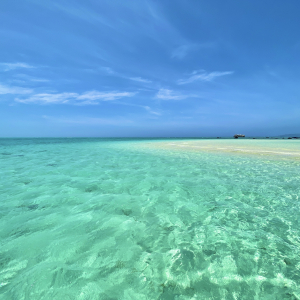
(25, 77)
(103, 96)
(15, 90)
(147, 108)
(82, 12)
(13, 66)
(139, 79)
(183, 50)
(45, 98)
(203, 76)
(112, 72)
(87, 98)
(151, 111)
(166, 94)
(108, 70)
(88, 120)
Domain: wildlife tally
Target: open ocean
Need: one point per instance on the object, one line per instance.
(116, 219)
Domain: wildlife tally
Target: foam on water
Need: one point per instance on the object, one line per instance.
(136, 219)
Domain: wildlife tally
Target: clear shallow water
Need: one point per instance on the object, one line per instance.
(137, 219)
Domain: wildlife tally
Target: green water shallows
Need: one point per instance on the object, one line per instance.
(89, 219)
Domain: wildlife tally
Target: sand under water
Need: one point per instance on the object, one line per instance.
(89, 219)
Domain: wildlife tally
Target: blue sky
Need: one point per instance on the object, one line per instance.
(149, 68)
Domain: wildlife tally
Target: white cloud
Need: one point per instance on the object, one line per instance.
(104, 96)
(46, 98)
(89, 120)
(203, 76)
(87, 98)
(166, 94)
(13, 90)
(183, 50)
(13, 66)
(139, 79)
(151, 111)
(25, 77)
(110, 71)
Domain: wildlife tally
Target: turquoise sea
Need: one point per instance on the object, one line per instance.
(110, 219)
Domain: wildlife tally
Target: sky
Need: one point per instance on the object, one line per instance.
(149, 68)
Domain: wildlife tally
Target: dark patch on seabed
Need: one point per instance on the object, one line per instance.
(29, 207)
(91, 188)
(127, 212)
(33, 206)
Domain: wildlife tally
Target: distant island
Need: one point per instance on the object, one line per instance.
(238, 135)
(291, 135)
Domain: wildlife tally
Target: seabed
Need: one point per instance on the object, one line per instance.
(149, 219)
